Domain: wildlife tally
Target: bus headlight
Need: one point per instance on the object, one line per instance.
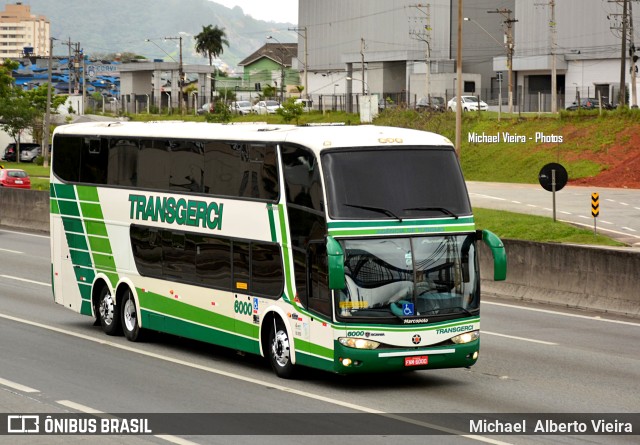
(358, 343)
(466, 337)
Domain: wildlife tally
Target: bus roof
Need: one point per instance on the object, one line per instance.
(317, 137)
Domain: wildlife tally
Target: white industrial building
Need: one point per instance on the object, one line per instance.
(395, 38)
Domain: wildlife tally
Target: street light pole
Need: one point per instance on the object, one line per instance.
(47, 112)
(281, 67)
(365, 87)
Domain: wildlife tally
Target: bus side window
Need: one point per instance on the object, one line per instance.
(317, 270)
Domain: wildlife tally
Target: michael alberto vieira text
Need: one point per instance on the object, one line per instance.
(548, 426)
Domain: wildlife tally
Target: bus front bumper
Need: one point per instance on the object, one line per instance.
(352, 361)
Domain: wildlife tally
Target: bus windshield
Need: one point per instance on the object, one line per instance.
(394, 183)
(433, 277)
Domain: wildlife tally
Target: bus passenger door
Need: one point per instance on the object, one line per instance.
(319, 295)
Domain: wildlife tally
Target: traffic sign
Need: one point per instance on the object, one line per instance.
(595, 205)
(547, 176)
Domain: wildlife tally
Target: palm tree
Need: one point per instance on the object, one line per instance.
(209, 42)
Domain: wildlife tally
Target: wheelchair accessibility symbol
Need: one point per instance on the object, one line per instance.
(407, 309)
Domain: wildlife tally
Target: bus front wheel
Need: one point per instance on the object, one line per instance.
(129, 316)
(109, 317)
(280, 351)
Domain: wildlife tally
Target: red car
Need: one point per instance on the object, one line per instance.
(13, 177)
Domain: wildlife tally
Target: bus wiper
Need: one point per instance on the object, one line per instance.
(440, 209)
(459, 308)
(375, 209)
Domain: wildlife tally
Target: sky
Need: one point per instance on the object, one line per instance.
(269, 10)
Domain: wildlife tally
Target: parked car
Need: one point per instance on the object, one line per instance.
(588, 103)
(205, 108)
(15, 178)
(436, 104)
(266, 107)
(31, 154)
(10, 151)
(307, 104)
(469, 103)
(241, 107)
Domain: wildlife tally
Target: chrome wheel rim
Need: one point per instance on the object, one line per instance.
(280, 348)
(107, 308)
(129, 313)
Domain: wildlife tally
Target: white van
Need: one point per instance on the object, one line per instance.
(306, 103)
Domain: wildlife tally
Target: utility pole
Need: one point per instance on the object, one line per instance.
(508, 23)
(303, 30)
(623, 57)
(632, 59)
(554, 86)
(362, 62)
(180, 74)
(459, 80)
(70, 66)
(425, 37)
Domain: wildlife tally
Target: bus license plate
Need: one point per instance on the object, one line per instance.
(419, 360)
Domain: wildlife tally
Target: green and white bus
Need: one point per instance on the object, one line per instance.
(344, 248)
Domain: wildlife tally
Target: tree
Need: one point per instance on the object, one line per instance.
(209, 42)
(291, 110)
(22, 110)
(268, 91)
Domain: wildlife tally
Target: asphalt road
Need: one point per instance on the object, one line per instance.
(534, 359)
(619, 208)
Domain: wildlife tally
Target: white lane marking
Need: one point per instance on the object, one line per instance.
(78, 407)
(566, 213)
(606, 222)
(262, 383)
(24, 233)
(89, 410)
(542, 342)
(12, 251)
(487, 196)
(583, 217)
(601, 228)
(624, 204)
(547, 311)
(25, 280)
(629, 229)
(532, 205)
(16, 386)
(516, 202)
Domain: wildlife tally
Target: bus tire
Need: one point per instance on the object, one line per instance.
(109, 316)
(129, 316)
(280, 350)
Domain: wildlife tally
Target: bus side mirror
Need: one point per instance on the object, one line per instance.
(335, 256)
(498, 252)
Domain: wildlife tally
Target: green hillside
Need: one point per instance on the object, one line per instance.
(590, 143)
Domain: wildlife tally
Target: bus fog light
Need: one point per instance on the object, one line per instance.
(346, 362)
(475, 355)
(466, 337)
(358, 343)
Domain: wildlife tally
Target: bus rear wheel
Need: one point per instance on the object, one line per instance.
(280, 351)
(129, 315)
(109, 317)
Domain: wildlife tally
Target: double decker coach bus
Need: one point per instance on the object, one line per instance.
(344, 248)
